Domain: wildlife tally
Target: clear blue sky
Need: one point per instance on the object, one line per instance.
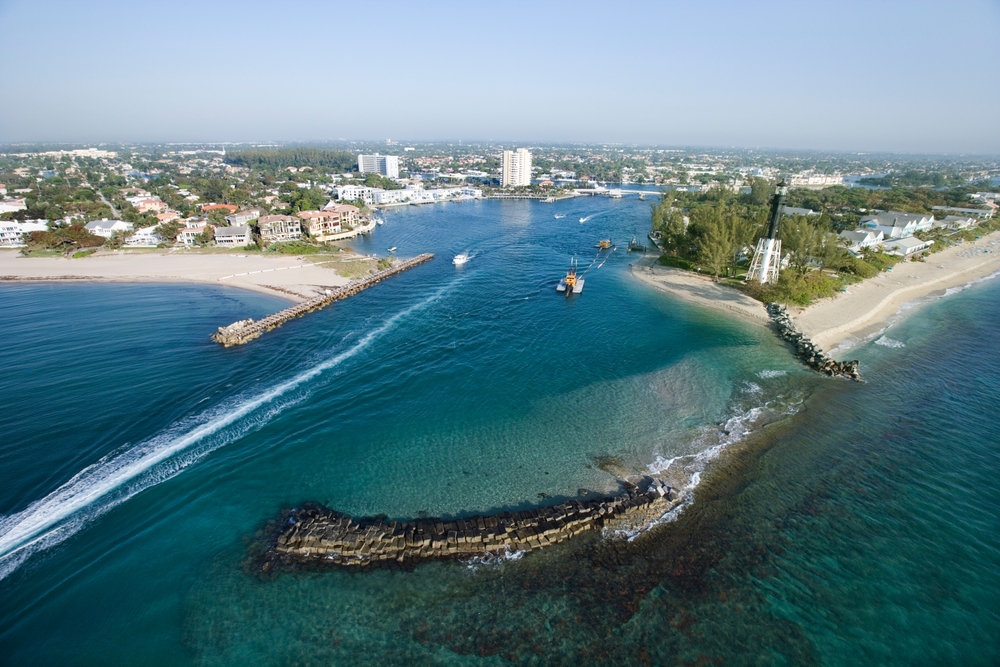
(869, 76)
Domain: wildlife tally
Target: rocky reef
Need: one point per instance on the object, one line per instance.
(315, 535)
(805, 349)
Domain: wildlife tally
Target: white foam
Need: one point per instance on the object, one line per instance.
(120, 475)
(884, 341)
(752, 388)
(767, 375)
(508, 555)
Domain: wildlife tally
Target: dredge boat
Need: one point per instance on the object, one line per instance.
(635, 246)
(603, 244)
(571, 284)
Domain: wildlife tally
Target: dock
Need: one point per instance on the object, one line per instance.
(244, 331)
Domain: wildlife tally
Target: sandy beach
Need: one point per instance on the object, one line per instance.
(841, 322)
(295, 278)
(700, 290)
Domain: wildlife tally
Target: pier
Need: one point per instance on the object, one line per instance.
(243, 331)
(315, 535)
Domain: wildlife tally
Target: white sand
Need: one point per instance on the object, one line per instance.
(846, 319)
(701, 290)
(838, 323)
(295, 278)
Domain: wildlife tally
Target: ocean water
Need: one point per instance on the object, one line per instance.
(834, 523)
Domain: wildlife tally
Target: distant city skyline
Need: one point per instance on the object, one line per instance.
(905, 77)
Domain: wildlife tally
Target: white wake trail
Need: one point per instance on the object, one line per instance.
(52, 519)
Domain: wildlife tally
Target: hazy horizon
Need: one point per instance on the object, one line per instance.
(905, 78)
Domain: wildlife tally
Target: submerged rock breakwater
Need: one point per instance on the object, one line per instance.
(809, 352)
(244, 331)
(314, 535)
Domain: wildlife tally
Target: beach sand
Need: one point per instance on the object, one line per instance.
(838, 323)
(843, 321)
(287, 276)
(698, 289)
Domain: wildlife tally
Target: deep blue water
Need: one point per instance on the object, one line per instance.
(860, 527)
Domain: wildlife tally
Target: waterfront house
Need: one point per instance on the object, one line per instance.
(105, 228)
(896, 225)
(279, 228)
(243, 217)
(356, 192)
(233, 237)
(168, 216)
(144, 238)
(983, 213)
(907, 246)
(955, 222)
(860, 239)
(12, 232)
(188, 235)
(330, 221)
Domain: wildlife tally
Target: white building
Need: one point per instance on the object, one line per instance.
(188, 235)
(279, 228)
(12, 205)
(860, 239)
(906, 247)
(896, 225)
(12, 231)
(243, 217)
(516, 168)
(105, 228)
(356, 192)
(233, 237)
(144, 238)
(387, 165)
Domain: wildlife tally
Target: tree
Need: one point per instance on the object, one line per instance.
(761, 191)
(714, 245)
(800, 240)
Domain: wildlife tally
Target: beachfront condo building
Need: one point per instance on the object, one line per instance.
(516, 168)
(387, 165)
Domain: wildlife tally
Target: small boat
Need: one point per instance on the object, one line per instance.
(559, 217)
(392, 249)
(642, 195)
(571, 284)
(461, 259)
(603, 244)
(379, 221)
(635, 246)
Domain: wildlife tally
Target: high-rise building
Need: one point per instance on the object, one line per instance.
(516, 168)
(387, 165)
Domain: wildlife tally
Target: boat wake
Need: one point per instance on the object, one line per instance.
(122, 474)
(560, 216)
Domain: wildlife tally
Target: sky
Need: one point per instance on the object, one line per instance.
(908, 77)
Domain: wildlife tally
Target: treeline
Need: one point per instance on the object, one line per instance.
(275, 159)
(916, 178)
(716, 232)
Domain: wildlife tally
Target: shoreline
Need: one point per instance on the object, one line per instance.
(284, 276)
(846, 320)
(699, 290)
(867, 308)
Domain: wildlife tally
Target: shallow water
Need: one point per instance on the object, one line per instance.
(860, 528)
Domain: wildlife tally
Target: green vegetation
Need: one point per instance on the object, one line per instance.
(276, 159)
(80, 254)
(294, 248)
(379, 181)
(63, 240)
(385, 262)
(916, 178)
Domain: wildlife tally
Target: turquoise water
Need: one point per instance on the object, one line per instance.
(139, 459)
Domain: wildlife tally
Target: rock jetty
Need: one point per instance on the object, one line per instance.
(314, 535)
(245, 331)
(805, 349)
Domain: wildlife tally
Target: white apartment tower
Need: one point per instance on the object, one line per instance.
(387, 165)
(516, 168)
